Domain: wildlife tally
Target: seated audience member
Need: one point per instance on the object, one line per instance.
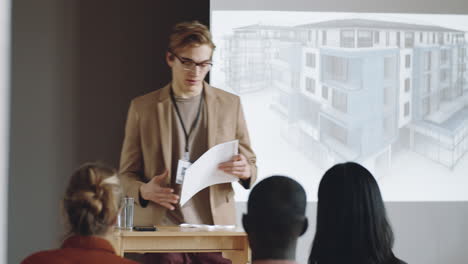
(352, 225)
(92, 202)
(275, 219)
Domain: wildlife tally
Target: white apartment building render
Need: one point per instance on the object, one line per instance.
(362, 90)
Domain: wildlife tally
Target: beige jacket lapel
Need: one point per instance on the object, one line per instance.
(212, 110)
(164, 115)
(217, 197)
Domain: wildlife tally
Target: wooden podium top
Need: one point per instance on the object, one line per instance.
(164, 231)
(232, 242)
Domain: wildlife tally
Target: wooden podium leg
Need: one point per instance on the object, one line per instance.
(239, 257)
(236, 257)
(117, 243)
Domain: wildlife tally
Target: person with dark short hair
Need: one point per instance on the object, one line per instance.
(275, 220)
(352, 225)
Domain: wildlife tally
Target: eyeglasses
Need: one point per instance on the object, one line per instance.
(190, 65)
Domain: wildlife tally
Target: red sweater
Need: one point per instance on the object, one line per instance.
(79, 249)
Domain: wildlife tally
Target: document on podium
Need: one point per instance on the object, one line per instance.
(204, 172)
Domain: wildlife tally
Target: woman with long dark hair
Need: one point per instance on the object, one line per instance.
(352, 225)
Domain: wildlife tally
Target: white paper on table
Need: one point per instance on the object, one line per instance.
(208, 227)
(204, 172)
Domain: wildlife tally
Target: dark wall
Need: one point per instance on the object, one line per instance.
(41, 155)
(121, 52)
(75, 67)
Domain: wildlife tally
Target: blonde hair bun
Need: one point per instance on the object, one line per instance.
(92, 199)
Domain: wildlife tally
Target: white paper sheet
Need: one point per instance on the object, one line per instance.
(204, 172)
(208, 227)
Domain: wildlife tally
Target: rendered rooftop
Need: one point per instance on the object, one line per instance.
(355, 23)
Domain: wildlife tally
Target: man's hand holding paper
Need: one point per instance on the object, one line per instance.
(217, 165)
(237, 166)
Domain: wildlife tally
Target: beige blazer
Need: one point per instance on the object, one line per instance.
(146, 150)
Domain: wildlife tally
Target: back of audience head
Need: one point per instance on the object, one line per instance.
(92, 200)
(275, 218)
(352, 225)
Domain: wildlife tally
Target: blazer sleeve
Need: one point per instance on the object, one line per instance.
(242, 134)
(131, 158)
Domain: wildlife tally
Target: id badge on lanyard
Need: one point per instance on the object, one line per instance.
(182, 167)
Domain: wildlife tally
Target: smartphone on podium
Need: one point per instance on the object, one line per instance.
(145, 228)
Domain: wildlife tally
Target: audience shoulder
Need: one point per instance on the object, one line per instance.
(46, 256)
(59, 256)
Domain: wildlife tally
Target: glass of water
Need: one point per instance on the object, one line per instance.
(125, 217)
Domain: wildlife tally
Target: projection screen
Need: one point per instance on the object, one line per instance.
(321, 85)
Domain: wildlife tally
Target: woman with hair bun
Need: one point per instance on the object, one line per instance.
(91, 204)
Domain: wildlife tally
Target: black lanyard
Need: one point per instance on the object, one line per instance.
(194, 124)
